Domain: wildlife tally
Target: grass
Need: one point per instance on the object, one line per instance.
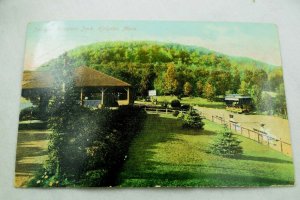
(166, 155)
(193, 101)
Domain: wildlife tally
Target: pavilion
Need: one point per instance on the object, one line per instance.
(95, 87)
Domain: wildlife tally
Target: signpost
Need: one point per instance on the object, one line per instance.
(151, 93)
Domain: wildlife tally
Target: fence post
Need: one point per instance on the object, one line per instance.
(281, 149)
(166, 110)
(212, 118)
(258, 137)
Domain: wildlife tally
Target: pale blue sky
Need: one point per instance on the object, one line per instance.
(47, 40)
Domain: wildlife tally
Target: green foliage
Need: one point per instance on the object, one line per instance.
(175, 113)
(176, 69)
(30, 113)
(175, 103)
(226, 145)
(187, 88)
(164, 104)
(171, 83)
(92, 148)
(209, 91)
(280, 102)
(192, 120)
(200, 88)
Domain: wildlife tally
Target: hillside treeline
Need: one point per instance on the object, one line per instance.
(174, 69)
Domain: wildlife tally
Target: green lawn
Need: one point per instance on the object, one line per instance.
(193, 101)
(166, 155)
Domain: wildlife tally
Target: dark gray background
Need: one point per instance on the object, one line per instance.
(15, 14)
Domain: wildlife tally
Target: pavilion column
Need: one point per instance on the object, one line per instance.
(128, 94)
(81, 96)
(102, 95)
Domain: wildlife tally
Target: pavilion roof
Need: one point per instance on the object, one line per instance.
(84, 77)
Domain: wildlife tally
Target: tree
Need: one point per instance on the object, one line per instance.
(188, 89)
(209, 91)
(256, 94)
(275, 79)
(236, 80)
(267, 104)
(147, 81)
(192, 120)
(226, 145)
(280, 102)
(199, 87)
(244, 88)
(171, 83)
(221, 80)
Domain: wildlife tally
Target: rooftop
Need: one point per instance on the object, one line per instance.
(84, 77)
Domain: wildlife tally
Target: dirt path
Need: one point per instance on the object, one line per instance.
(275, 125)
(31, 153)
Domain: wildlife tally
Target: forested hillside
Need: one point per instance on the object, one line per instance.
(180, 70)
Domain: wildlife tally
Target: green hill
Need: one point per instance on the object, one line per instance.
(155, 52)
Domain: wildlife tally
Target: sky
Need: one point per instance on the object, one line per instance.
(48, 40)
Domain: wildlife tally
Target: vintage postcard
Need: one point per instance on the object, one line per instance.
(153, 104)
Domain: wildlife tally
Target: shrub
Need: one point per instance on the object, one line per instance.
(185, 107)
(32, 113)
(175, 103)
(175, 113)
(226, 145)
(192, 120)
(165, 104)
(181, 115)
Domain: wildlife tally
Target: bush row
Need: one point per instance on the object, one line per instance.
(88, 148)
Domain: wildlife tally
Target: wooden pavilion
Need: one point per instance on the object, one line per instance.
(95, 88)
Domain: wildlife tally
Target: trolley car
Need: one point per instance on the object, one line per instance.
(238, 103)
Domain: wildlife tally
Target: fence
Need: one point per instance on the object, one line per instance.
(162, 110)
(256, 135)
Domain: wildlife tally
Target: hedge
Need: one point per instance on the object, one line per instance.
(88, 148)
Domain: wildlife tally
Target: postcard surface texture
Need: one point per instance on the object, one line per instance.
(153, 104)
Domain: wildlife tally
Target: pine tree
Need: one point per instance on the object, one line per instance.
(192, 120)
(226, 145)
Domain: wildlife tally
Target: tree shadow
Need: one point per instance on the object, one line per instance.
(31, 152)
(153, 178)
(197, 132)
(27, 168)
(263, 159)
(26, 136)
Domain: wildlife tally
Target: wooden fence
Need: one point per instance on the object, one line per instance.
(162, 110)
(256, 135)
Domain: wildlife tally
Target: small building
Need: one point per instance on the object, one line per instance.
(238, 103)
(95, 88)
